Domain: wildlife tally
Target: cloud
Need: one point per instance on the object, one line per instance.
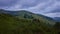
(53, 14)
(45, 7)
(23, 4)
(7, 3)
(48, 8)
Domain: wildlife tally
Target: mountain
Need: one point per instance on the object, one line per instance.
(26, 14)
(10, 24)
(24, 22)
(57, 19)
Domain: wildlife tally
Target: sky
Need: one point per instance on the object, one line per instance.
(49, 8)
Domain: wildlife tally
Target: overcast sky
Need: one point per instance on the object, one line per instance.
(49, 8)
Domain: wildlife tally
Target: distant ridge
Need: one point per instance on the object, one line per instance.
(57, 19)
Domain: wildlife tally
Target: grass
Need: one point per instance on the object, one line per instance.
(12, 25)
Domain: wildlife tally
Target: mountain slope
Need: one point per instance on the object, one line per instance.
(18, 24)
(26, 14)
(7, 23)
(57, 19)
(12, 25)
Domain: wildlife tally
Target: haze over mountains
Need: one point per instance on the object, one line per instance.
(57, 19)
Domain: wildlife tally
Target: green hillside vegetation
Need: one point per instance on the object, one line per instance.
(12, 25)
(7, 23)
(56, 27)
(28, 15)
(34, 24)
(21, 14)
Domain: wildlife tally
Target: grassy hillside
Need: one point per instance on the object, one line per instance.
(11, 25)
(7, 23)
(26, 23)
(29, 15)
